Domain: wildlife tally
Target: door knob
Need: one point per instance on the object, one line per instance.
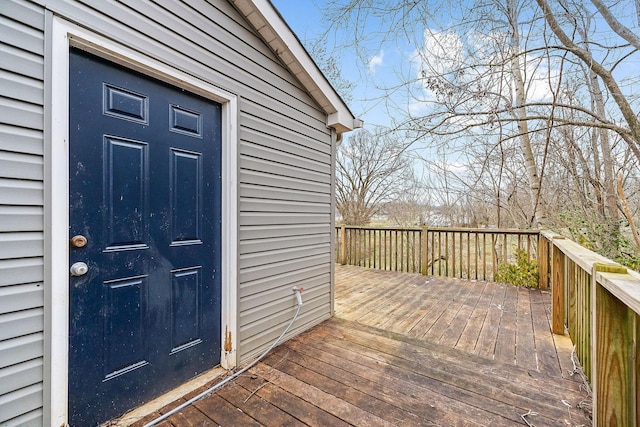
(79, 269)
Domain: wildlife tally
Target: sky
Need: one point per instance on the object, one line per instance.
(394, 62)
(305, 19)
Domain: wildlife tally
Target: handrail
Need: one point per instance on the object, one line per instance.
(597, 301)
(468, 253)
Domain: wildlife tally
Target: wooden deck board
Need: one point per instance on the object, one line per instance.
(433, 315)
(408, 350)
(526, 355)
(299, 408)
(415, 312)
(448, 365)
(363, 377)
(488, 335)
(463, 317)
(257, 407)
(548, 360)
(506, 339)
(471, 330)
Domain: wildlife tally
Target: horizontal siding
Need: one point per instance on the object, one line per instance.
(20, 140)
(21, 62)
(21, 192)
(21, 218)
(268, 231)
(20, 375)
(289, 242)
(26, 270)
(21, 213)
(284, 158)
(270, 120)
(254, 191)
(275, 218)
(259, 339)
(19, 34)
(21, 114)
(271, 317)
(281, 169)
(285, 165)
(21, 323)
(198, 53)
(19, 245)
(314, 287)
(19, 403)
(270, 257)
(257, 321)
(281, 206)
(273, 269)
(17, 350)
(30, 419)
(270, 180)
(21, 297)
(26, 89)
(224, 43)
(24, 12)
(263, 285)
(21, 165)
(273, 134)
(290, 142)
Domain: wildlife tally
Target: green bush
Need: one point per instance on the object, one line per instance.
(523, 273)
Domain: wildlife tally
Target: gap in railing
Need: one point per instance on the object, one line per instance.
(452, 252)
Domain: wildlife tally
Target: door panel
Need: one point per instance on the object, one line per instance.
(144, 189)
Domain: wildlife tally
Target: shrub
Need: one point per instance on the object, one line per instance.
(523, 273)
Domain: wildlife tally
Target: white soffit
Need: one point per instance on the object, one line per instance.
(274, 30)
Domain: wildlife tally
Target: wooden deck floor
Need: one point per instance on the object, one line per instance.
(408, 350)
(492, 320)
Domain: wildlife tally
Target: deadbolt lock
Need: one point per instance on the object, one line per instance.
(78, 241)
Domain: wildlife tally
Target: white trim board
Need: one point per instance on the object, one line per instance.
(65, 34)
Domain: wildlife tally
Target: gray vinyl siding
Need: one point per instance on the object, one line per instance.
(284, 171)
(21, 212)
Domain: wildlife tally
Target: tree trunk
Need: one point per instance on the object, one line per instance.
(537, 209)
(610, 199)
(633, 137)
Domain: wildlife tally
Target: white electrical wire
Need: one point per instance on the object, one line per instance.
(298, 292)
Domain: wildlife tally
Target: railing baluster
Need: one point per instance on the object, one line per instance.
(504, 249)
(484, 256)
(423, 251)
(417, 250)
(395, 250)
(461, 247)
(385, 249)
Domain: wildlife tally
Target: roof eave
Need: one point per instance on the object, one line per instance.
(264, 17)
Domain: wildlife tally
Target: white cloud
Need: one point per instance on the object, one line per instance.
(478, 61)
(376, 61)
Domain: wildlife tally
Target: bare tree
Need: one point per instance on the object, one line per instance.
(631, 132)
(331, 69)
(372, 170)
(539, 98)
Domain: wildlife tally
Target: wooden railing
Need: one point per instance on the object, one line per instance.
(453, 252)
(597, 301)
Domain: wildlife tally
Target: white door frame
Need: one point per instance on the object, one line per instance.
(65, 34)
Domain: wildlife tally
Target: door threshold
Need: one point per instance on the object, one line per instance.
(156, 404)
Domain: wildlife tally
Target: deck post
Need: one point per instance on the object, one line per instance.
(543, 262)
(613, 349)
(557, 290)
(343, 245)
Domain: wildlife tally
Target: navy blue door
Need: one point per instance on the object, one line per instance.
(144, 190)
